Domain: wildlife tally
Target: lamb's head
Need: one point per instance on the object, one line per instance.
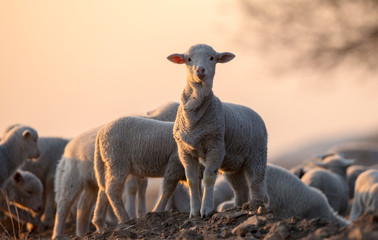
(200, 61)
(25, 137)
(26, 190)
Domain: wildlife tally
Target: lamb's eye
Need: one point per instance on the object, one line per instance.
(189, 59)
(211, 58)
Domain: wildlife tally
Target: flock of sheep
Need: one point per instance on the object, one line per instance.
(211, 156)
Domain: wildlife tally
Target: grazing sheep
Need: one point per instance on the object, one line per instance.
(365, 194)
(44, 168)
(20, 143)
(22, 189)
(331, 180)
(138, 146)
(75, 178)
(219, 135)
(289, 196)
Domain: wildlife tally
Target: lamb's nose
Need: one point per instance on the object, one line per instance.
(201, 70)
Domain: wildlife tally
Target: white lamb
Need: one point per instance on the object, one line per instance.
(365, 194)
(223, 136)
(75, 178)
(138, 146)
(18, 144)
(289, 196)
(23, 189)
(331, 180)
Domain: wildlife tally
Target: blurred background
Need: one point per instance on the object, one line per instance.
(309, 68)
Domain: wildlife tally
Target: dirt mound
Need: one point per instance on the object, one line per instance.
(233, 223)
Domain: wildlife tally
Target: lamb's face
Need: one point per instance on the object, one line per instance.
(28, 190)
(200, 61)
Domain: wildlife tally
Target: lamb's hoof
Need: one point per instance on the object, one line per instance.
(208, 215)
(194, 215)
(253, 206)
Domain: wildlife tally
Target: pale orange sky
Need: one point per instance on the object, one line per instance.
(68, 66)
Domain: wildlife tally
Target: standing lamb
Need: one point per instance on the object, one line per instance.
(365, 194)
(22, 189)
(75, 178)
(20, 143)
(138, 146)
(331, 180)
(289, 196)
(223, 136)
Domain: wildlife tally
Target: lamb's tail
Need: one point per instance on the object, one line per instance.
(99, 166)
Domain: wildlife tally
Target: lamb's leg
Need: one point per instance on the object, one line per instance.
(142, 187)
(99, 215)
(255, 174)
(49, 211)
(192, 177)
(214, 159)
(238, 183)
(64, 204)
(113, 187)
(172, 176)
(131, 190)
(84, 208)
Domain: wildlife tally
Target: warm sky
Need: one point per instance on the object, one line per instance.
(68, 66)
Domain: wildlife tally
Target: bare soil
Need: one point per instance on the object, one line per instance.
(234, 223)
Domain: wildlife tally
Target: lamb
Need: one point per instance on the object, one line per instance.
(20, 143)
(331, 180)
(22, 189)
(51, 150)
(289, 196)
(352, 174)
(223, 136)
(75, 178)
(138, 146)
(365, 194)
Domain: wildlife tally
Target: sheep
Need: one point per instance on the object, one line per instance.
(75, 178)
(139, 146)
(51, 150)
(44, 167)
(352, 174)
(20, 143)
(365, 194)
(224, 136)
(22, 189)
(289, 196)
(331, 180)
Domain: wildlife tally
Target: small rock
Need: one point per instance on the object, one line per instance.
(247, 226)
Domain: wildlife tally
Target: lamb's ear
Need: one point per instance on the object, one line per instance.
(26, 134)
(177, 58)
(225, 57)
(18, 177)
